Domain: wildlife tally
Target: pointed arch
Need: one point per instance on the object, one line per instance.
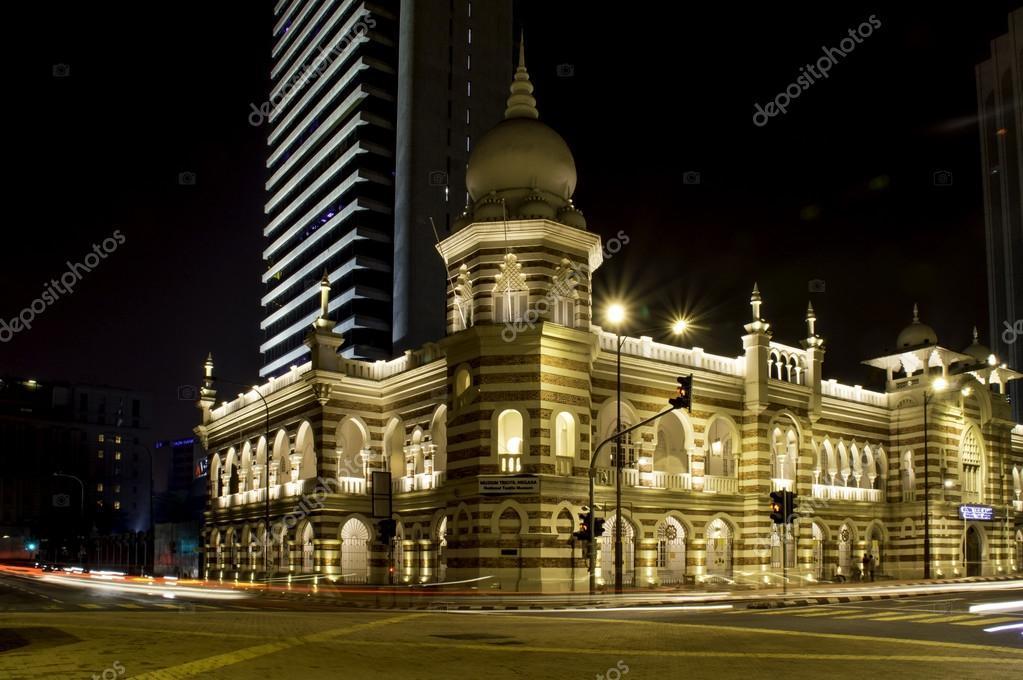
(499, 513)
(722, 443)
(439, 438)
(305, 445)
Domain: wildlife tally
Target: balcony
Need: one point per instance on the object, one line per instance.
(420, 482)
(1017, 505)
(563, 466)
(510, 462)
(715, 484)
(846, 493)
(782, 484)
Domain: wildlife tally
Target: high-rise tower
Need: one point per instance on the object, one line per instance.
(371, 117)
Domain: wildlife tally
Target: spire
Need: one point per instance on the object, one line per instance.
(976, 336)
(755, 302)
(916, 313)
(324, 319)
(811, 320)
(521, 103)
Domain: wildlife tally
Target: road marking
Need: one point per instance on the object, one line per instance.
(868, 615)
(129, 605)
(776, 631)
(211, 663)
(902, 617)
(164, 606)
(984, 622)
(794, 656)
(827, 612)
(87, 605)
(946, 619)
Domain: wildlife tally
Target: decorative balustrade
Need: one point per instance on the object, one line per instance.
(782, 485)
(563, 465)
(716, 484)
(832, 388)
(693, 357)
(420, 482)
(510, 462)
(908, 495)
(971, 497)
(846, 493)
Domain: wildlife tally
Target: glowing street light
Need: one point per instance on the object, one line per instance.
(616, 314)
(939, 384)
(680, 326)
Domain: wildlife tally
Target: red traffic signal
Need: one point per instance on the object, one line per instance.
(683, 393)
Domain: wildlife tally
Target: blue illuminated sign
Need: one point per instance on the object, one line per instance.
(983, 513)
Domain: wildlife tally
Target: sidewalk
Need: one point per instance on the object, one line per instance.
(405, 598)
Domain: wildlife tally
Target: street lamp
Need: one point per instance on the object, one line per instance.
(615, 315)
(937, 385)
(81, 499)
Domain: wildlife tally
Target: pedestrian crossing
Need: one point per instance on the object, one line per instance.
(859, 613)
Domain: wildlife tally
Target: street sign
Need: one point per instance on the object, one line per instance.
(982, 513)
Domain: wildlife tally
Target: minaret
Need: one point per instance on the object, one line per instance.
(322, 339)
(757, 345)
(207, 393)
(814, 345)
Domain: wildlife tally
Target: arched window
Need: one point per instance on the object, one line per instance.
(350, 441)
(719, 549)
(606, 558)
(721, 448)
(511, 296)
(463, 381)
(784, 454)
(774, 365)
(868, 474)
(394, 449)
(509, 440)
(280, 471)
(908, 473)
(463, 301)
(308, 549)
(439, 436)
(564, 434)
(971, 466)
(793, 371)
(845, 469)
(215, 471)
(670, 454)
(1017, 482)
(828, 464)
(304, 445)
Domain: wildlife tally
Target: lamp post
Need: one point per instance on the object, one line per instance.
(938, 385)
(266, 480)
(81, 499)
(616, 316)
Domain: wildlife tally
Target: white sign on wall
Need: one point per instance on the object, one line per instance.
(508, 485)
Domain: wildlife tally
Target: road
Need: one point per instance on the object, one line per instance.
(51, 630)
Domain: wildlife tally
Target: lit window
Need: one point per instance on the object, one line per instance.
(99, 487)
(117, 455)
(117, 439)
(100, 438)
(117, 505)
(99, 503)
(99, 454)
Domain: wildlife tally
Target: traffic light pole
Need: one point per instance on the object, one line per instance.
(592, 551)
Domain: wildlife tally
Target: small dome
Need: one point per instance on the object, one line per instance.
(572, 217)
(916, 333)
(976, 350)
(489, 209)
(535, 207)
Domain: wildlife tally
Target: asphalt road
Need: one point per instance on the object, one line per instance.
(47, 630)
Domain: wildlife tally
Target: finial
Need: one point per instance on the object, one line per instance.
(324, 320)
(755, 302)
(521, 103)
(976, 336)
(811, 320)
(809, 311)
(916, 313)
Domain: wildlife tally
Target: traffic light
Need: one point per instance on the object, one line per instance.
(598, 527)
(684, 395)
(386, 530)
(585, 519)
(790, 506)
(778, 507)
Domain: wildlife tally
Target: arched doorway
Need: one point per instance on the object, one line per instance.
(845, 546)
(719, 549)
(671, 552)
(973, 551)
(607, 552)
(354, 552)
(818, 551)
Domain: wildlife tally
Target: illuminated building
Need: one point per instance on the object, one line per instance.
(485, 435)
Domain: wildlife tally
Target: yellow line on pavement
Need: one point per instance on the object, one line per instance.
(868, 615)
(902, 617)
(984, 622)
(211, 663)
(128, 605)
(775, 631)
(947, 619)
(700, 653)
(87, 605)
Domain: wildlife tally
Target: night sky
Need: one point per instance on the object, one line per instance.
(841, 187)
